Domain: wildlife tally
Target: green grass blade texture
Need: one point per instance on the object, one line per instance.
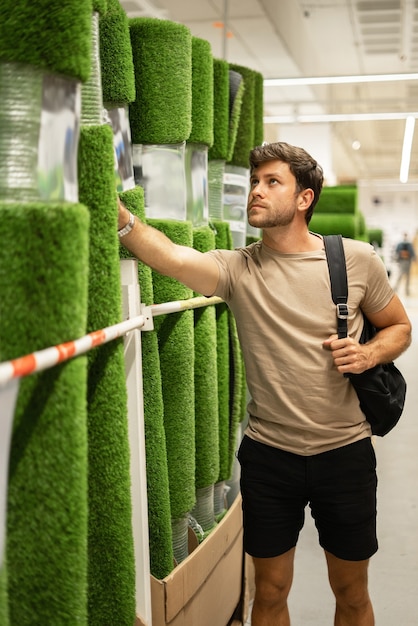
(205, 380)
(44, 258)
(162, 56)
(111, 593)
(158, 494)
(176, 349)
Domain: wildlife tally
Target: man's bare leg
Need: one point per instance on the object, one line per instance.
(349, 582)
(273, 580)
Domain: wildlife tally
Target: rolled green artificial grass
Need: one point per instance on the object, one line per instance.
(117, 68)
(223, 240)
(202, 93)
(258, 109)
(245, 135)
(375, 236)
(111, 581)
(4, 605)
(159, 515)
(337, 200)
(43, 282)
(237, 389)
(50, 34)
(205, 380)
(346, 225)
(162, 57)
(236, 94)
(176, 349)
(101, 6)
(219, 148)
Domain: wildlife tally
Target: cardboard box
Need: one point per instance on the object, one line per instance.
(206, 588)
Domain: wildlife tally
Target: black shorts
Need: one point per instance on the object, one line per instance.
(339, 486)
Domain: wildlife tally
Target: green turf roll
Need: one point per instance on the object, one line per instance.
(337, 200)
(202, 93)
(43, 282)
(258, 109)
(223, 241)
(219, 148)
(375, 236)
(176, 349)
(205, 380)
(162, 57)
(159, 516)
(345, 224)
(50, 34)
(4, 604)
(100, 6)
(111, 597)
(245, 135)
(236, 94)
(236, 390)
(117, 68)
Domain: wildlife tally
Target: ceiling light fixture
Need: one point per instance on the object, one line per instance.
(338, 117)
(406, 148)
(335, 80)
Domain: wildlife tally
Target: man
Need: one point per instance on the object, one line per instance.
(307, 441)
(405, 254)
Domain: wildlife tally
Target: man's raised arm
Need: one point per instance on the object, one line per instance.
(193, 268)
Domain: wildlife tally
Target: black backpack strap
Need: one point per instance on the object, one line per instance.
(334, 251)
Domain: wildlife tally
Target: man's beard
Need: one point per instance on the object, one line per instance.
(269, 220)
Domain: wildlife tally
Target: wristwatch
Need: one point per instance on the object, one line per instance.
(129, 226)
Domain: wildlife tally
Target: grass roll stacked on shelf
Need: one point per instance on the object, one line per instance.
(337, 213)
(44, 302)
(218, 152)
(201, 136)
(206, 398)
(111, 574)
(176, 349)
(162, 56)
(117, 68)
(223, 240)
(159, 516)
(245, 136)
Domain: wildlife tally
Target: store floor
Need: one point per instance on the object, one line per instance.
(394, 569)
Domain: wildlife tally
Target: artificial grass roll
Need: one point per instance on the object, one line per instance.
(43, 282)
(237, 389)
(258, 109)
(202, 93)
(219, 148)
(159, 516)
(100, 6)
(4, 605)
(162, 57)
(223, 241)
(236, 93)
(205, 380)
(111, 592)
(375, 236)
(245, 136)
(117, 68)
(345, 224)
(337, 200)
(53, 35)
(176, 349)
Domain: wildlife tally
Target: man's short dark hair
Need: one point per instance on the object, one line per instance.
(307, 172)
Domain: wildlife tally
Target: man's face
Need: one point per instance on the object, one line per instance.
(272, 200)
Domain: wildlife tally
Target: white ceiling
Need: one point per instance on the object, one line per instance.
(297, 38)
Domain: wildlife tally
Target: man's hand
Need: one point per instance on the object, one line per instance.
(350, 357)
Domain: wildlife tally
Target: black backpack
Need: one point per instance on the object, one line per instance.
(381, 390)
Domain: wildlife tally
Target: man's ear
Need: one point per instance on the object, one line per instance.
(305, 199)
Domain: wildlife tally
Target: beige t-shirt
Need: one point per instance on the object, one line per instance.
(284, 310)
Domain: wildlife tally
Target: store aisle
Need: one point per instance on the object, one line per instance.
(394, 569)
